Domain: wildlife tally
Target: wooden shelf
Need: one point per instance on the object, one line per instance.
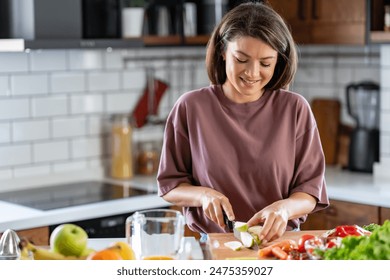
(162, 40)
(380, 37)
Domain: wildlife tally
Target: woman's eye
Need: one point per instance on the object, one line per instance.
(241, 60)
(265, 65)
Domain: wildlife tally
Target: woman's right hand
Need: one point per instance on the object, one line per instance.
(214, 204)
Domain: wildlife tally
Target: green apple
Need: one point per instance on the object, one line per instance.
(69, 240)
(241, 226)
(234, 245)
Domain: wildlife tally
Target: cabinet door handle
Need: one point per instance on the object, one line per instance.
(314, 10)
(301, 9)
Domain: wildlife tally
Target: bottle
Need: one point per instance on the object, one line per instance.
(122, 147)
(147, 159)
(387, 18)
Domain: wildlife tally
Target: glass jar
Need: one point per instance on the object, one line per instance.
(387, 18)
(122, 147)
(148, 159)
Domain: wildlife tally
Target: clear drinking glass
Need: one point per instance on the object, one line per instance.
(156, 234)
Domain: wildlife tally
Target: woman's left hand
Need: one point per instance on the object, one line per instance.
(274, 219)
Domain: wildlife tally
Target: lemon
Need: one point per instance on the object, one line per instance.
(124, 249)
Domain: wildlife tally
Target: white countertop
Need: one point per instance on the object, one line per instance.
(341, 185)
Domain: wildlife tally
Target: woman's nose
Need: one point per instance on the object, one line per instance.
(253, 69)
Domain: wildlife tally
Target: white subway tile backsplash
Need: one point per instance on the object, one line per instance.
(50, 151)
(15, 155)
(13, 62)
(48, 60)
(121, 102)
(30, 84)
(343, 76)
(385, 121)
(103, 81)
(87, 147)
(385, 77)
(5, 174)
(385, 143)
(36, 170)
(97, 125)
(85, 59)
(86, 104)
(30, 130)
(385, 55)
(5, 132)
(385, 99)
(113, 59)
(4, 86)
(367, 73)
(306, 74)
(50, 106)
(70, 166)
(71, 82)
(134, 79)
(14, 109)
(69, 127)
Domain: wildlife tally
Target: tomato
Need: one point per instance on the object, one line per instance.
(302, 240)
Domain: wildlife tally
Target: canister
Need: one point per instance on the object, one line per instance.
(122, 147)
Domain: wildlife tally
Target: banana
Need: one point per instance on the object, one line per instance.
(42, 253)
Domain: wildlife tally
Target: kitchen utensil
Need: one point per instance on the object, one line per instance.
(229, 224)
(142, 109)
(327, 115)
(156, 234)
(363, 106)
(9, 246)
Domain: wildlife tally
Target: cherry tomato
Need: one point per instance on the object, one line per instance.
(302, 240)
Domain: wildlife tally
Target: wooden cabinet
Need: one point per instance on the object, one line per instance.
(384, 214)
(341, 213)
(324, 21)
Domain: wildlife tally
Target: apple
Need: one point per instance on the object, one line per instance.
(69, 240)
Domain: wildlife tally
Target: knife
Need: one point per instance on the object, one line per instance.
(229, 224)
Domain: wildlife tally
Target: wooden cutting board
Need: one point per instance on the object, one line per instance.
(218, 251)
(327, 115)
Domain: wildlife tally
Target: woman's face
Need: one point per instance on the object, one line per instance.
(250, 65)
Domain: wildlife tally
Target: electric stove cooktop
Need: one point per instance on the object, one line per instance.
(72, 194)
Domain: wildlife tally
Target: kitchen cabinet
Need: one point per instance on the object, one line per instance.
(341, 213)
(384, 214)
(324, 21)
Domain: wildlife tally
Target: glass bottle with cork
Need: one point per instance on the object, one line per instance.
(122, 147)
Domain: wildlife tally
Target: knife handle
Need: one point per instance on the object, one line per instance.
(228, 223)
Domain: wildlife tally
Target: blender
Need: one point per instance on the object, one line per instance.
(363, 106)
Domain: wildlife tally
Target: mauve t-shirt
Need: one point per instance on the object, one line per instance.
(254, 153)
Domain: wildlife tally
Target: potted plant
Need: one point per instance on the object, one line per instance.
(133, 13)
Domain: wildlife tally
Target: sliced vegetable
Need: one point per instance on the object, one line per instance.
(302, 240)
(241, 226)
(267, 251)
(234, 245)
(279, 253)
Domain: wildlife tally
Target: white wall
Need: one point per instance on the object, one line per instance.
(54, 104)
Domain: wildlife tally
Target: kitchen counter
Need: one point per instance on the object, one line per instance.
(19, 217)
(341, 184)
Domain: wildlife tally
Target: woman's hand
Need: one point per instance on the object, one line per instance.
(213, 204)
(274, 219)
(275, 216)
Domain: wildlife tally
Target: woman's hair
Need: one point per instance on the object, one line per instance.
(259, 21)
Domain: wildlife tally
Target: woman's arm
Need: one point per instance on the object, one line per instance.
(276, 215)
(211, 201)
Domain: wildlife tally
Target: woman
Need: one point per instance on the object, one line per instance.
(244, 145)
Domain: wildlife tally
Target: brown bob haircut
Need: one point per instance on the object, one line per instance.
(260, 21)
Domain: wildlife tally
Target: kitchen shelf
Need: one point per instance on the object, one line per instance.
(19, 45)
(379, 37)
